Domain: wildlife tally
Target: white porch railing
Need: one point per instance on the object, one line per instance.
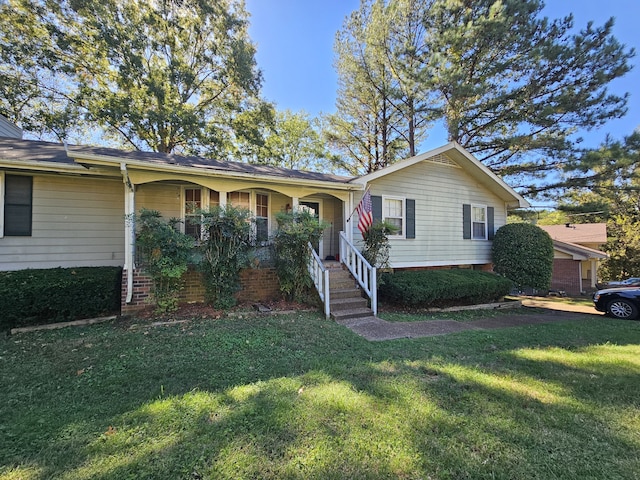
(360, 269)
(320, 276)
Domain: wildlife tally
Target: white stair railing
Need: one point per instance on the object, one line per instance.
(362, 270)
(320, 276)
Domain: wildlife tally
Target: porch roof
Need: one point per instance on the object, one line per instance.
(578, 252)
(54, 156)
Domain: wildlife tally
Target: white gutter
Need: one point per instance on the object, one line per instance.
(130, 230)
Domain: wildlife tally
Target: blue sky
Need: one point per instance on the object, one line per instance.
(295, 53)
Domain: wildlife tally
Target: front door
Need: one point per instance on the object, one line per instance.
(313, 207)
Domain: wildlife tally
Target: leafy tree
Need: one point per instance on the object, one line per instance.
(365, 129)
(514, 86)
(164, 76)
(604, 185)
(510, 85)
(290, 140)
(524, 254)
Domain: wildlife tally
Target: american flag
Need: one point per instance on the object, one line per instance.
(365, 215)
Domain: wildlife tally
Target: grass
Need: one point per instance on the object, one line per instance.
(298, 397)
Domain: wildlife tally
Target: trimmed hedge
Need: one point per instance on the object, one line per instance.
(34, 297)
(442, 288)
(524, 253)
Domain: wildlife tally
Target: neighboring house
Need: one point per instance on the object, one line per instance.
(8, 129)
(576, 255)
(67, 206)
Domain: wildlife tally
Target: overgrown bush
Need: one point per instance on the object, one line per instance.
(523, 253)
(167, 253)
(442, 288)
(295, 231)
(224, 252)
(33, 297)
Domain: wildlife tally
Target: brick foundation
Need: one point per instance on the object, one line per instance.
(258, 285)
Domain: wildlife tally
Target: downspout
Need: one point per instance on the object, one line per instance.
(130, 230)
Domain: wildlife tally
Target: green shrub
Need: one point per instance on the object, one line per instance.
(523, 253)
(442, 288)
(166, 254)
(33, 297)
(295, 231)
(225, 252)
(376, 244)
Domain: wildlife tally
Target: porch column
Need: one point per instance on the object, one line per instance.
(580, 275)
(222, 199)
(348, 215)
(594, 272)
(129, 229)
(295, 203)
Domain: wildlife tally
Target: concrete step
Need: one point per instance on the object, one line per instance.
(335, 284)
(351, 303)
(350, 292)
(341, 281)
(360, 322)
(341, 315)
(332, 265)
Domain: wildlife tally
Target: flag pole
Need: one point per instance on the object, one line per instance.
(354, 210)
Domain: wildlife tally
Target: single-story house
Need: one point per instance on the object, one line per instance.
(67, 205)
(576, 255)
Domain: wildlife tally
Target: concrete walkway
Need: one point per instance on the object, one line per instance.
(376, 329)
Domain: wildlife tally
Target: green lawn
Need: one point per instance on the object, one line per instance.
(299, 397)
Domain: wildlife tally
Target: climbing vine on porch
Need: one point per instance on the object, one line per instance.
(227, 233)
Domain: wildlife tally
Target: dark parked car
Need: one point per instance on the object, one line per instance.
(629, 282)
(618, 302)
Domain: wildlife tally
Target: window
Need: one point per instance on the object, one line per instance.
(214, 198)
(192, 203)
(240, 199)
(18, 195)
(478, 222)
(262, 217)
(393, 212)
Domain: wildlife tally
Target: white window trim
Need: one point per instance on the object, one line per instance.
(1, 204)
(183, 203)
(404, 215)
(254, 208)
(486, 222)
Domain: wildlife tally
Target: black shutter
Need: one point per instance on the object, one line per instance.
(466, 221)
(490, 224)
(411, 218)
(376, 207)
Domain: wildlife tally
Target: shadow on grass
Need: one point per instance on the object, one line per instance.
(299, 397)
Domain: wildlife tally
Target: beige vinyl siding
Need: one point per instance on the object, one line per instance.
(76, 222)
(439, 191)
(162, 197)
